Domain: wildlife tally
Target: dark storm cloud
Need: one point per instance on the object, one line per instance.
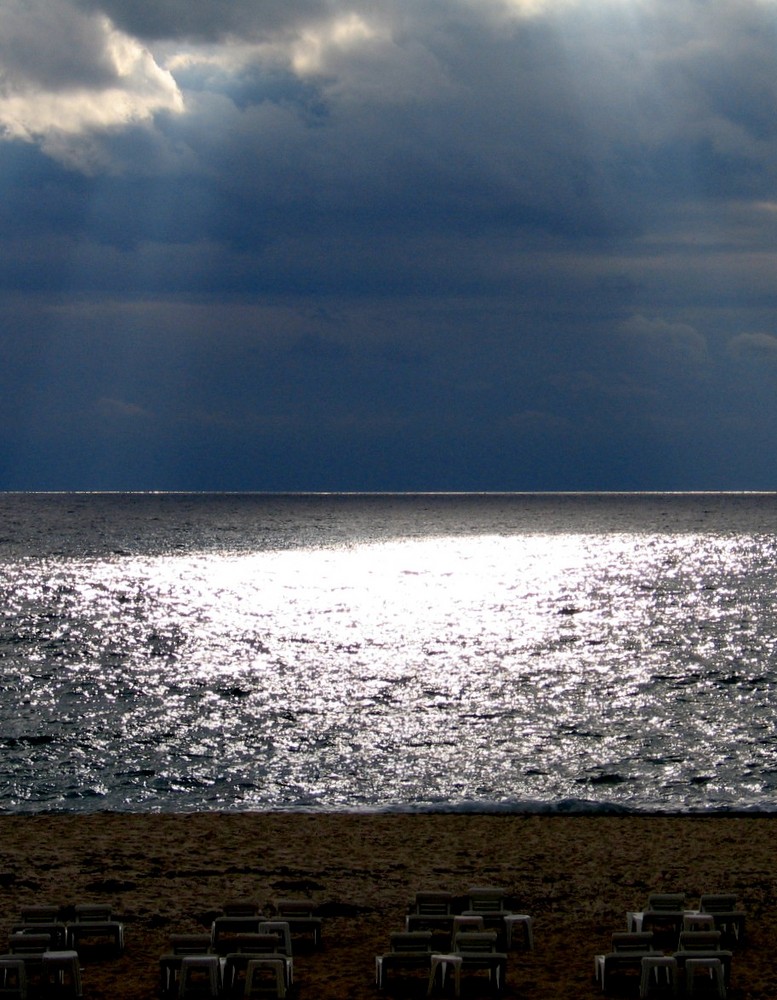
(452, 244)
(206, 20)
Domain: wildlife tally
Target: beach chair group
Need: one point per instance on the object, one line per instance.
(669, 947)
(445, 936)
(46, 946)
(245, 954)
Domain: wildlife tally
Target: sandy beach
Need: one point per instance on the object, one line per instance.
(576, 875)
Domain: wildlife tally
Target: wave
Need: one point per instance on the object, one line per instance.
(530, 807)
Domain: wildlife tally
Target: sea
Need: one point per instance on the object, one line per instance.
(576, 652)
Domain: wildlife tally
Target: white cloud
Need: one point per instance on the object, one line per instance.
(65, 75)
(310, 51)
(528, 8)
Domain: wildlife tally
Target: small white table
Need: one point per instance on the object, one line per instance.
(442, 962)
(521, 920)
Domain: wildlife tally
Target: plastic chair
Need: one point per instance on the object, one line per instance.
(170, 964)
(169, 974)
(486, 900)
(30, 949)
(712, 966)
(96, 926)
(233, 973)
(190, 944)
(235, 966)
(478, 951)
(728, 919)
(625, 956)
(664, 910)
(430, 910)
(703, 945)
(13, 978)
(39, 913)
(480, 941)
(200, 976)
(666, 902)
(409, 949)
(463, 923)
(56, 930)
(225, 929)
(665, 925)
(699, 941)
(625, 943)
(29, 944)
(258, 984)
(433, 902)
(652, 965)
(696, 921)
(264, 945)
(281, 930)
(299, 914)
(61, 974)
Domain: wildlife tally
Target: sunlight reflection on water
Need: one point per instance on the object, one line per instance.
(621, 668)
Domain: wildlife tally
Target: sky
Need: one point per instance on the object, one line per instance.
(388, 244)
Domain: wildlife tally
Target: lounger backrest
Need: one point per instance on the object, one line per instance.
(258, 944)
(638, 941)
(433, 904)
(717, 903)
(411, 941)
(666, 902)
(484, 941)
(29, 944)
(282, 930)
(486, 899)
(699, 941)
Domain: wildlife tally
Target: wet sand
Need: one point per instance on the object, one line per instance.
(576, 875)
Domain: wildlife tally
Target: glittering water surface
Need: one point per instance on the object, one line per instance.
(216, 652)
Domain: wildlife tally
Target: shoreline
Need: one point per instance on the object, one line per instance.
(591, 810)
(576, 874)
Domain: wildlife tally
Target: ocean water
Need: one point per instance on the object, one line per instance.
(174, 652)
